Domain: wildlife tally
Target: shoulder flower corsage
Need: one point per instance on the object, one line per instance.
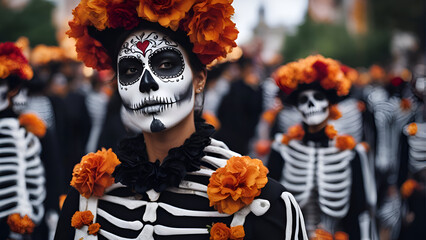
(219, 231)
(33, 124)
(93, 174)
(237, 184)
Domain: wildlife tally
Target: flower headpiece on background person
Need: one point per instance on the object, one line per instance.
(313, 72)
(206, 23)
(13, 63)
(43, 54)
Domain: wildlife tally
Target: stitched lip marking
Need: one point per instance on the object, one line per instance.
(142, 46)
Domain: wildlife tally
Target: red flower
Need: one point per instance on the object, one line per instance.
(321, 68)
(92, 53)
(123, 15)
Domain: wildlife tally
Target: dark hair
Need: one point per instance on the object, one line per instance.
(331, 94)
(13, 82)
(112, 39)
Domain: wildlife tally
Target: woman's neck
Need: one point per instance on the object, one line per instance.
(159, 144)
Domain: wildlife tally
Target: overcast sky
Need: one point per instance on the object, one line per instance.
(278, 12)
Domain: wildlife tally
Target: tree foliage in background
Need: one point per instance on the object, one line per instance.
(333, 40)
(34, 21)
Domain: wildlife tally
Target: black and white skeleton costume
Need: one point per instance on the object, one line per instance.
(180, 212)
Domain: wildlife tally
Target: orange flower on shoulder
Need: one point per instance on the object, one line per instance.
(334, 112)
(21, 225)
(94, 229)
(33, 124)
(262, 147)
(296, 132)
(285, 139)
(412, 129)
(211, 38)
(167, 13)
(405, 104)
(408, 188)
(79, 219)
(321, 234)
(339, 235)
(211, 119)
(330, 131)
(237, 184)
(220, 231)
(237, 232)
(345, 142)
(93, 174)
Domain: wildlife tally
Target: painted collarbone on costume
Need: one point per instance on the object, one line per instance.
(158, 51)
(317, 165)
(22, 190)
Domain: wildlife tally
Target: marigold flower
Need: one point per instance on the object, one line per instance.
(33, 124)
(345, 142)
(321, 234)
(269, 116)
(94, 11)
(377, 72)
(296, 132)
(94, 229)
(237, 184)
(412, 129)
(93, 174)
(262, 147)
(79, 219)
(285, 139)
(92, 53)
(211, 119)
(123, 15)
(220, 231)
(405, 104)
(168, 13)
(408, 188)
(237, 232)
(330, 131)
(339, 235)
(334, 112)
(361, 106)
(21, 225)
(13, 62)
(212, 38)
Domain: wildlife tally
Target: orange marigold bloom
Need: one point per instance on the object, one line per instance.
(13, 62)
(93, 174)
(408, 188)
(237, 184)
(33, 124)
(168, 13)
(237, 232)
(79, 219)
(341, 236)
(334, 112)
(211, 119)
(220, 231)
(285, 139)
(405, 104)
(92, 53)
(377, 72)
(330, 131)
(361, 106)
(412, 129)
(296, 132)
(321, 234)
(21, 225)
(212, 38)
(94, 229)
(262, 147)
(345, 142)
(95, 12)
(270, 115)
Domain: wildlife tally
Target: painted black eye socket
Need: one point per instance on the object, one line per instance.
(319, 96)
(129, 70)
(302, 99)
(167, 63)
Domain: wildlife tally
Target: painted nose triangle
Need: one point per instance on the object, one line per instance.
(148, 83)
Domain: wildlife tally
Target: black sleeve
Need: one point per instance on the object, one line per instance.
(275, 165)
(64, 231)
(403, 160)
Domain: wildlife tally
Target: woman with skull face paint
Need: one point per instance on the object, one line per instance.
(172, 181)
(22, 179)
(329, 175)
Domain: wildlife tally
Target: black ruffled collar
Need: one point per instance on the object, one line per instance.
(141, 175)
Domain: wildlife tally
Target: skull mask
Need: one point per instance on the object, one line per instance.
(313, 105)
(20, 100)
(154, 81)
(4, 101)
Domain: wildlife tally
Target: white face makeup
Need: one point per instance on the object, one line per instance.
(4, 102)
(20, 100)
(154, 81)
(313, 105)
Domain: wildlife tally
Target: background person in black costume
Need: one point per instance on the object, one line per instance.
(162, 188)
(330, 177)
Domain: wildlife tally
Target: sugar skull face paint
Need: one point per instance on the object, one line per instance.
(313, 105)
(154, 81)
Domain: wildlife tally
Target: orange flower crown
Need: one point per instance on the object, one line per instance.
(13, 62)
(207, 23)
(313, 69)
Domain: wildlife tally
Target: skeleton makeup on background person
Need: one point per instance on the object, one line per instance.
(155, 81)
(313, 105)
(4, 101)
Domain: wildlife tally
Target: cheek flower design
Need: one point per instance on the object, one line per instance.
(93, 174)
(237, 184)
